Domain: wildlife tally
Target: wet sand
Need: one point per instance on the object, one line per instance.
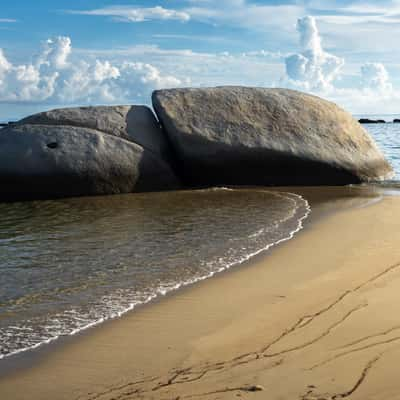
(317, 318)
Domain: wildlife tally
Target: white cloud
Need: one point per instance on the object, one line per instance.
(139, 50)
(55, 53)
(237, 13)
(4, 64)
(365, 100)
(7, 20)
(133, 14)
(361, 12)
(53, 77)
(241, 13)
(204, 68)
(313, 68)
(375, 76)
(265, 54)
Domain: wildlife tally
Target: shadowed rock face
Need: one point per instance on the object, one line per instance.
(239, 135)
(45, 161)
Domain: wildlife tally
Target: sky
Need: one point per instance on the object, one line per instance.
(70, 53)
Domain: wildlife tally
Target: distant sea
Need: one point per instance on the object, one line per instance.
(387, 136)
(70, 264)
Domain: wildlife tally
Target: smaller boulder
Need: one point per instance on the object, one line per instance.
(47, 161)
(136, 124)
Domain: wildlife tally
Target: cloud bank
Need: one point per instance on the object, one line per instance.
(60, 75)
(53, 78)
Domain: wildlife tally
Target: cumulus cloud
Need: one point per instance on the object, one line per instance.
(134, 14)
(313, 68)
(4, 64)
(374, 76)
(52, 77)
(55, 52)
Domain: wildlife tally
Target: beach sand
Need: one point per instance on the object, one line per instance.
(316, 318)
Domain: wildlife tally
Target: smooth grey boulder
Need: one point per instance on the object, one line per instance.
(44, 161)
(134, 123)
(257, 136)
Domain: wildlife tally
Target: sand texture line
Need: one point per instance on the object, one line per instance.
(185, 377)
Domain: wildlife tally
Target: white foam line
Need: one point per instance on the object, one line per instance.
(165, 290)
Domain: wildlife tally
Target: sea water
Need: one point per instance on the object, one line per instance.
(387, 136)
(69, 264)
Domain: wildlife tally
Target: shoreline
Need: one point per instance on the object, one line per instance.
(45, 346)
(51, 361)
(342, 197)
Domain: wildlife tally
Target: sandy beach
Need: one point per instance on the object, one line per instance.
(316, 318)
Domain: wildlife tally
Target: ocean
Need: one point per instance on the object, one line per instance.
(387, 136)
(70, 264)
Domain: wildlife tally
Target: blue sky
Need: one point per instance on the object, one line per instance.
(62, 53)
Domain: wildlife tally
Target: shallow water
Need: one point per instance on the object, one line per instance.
(68, 264)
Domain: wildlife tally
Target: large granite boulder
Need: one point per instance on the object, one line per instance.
(45, 161)
(256, 136)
